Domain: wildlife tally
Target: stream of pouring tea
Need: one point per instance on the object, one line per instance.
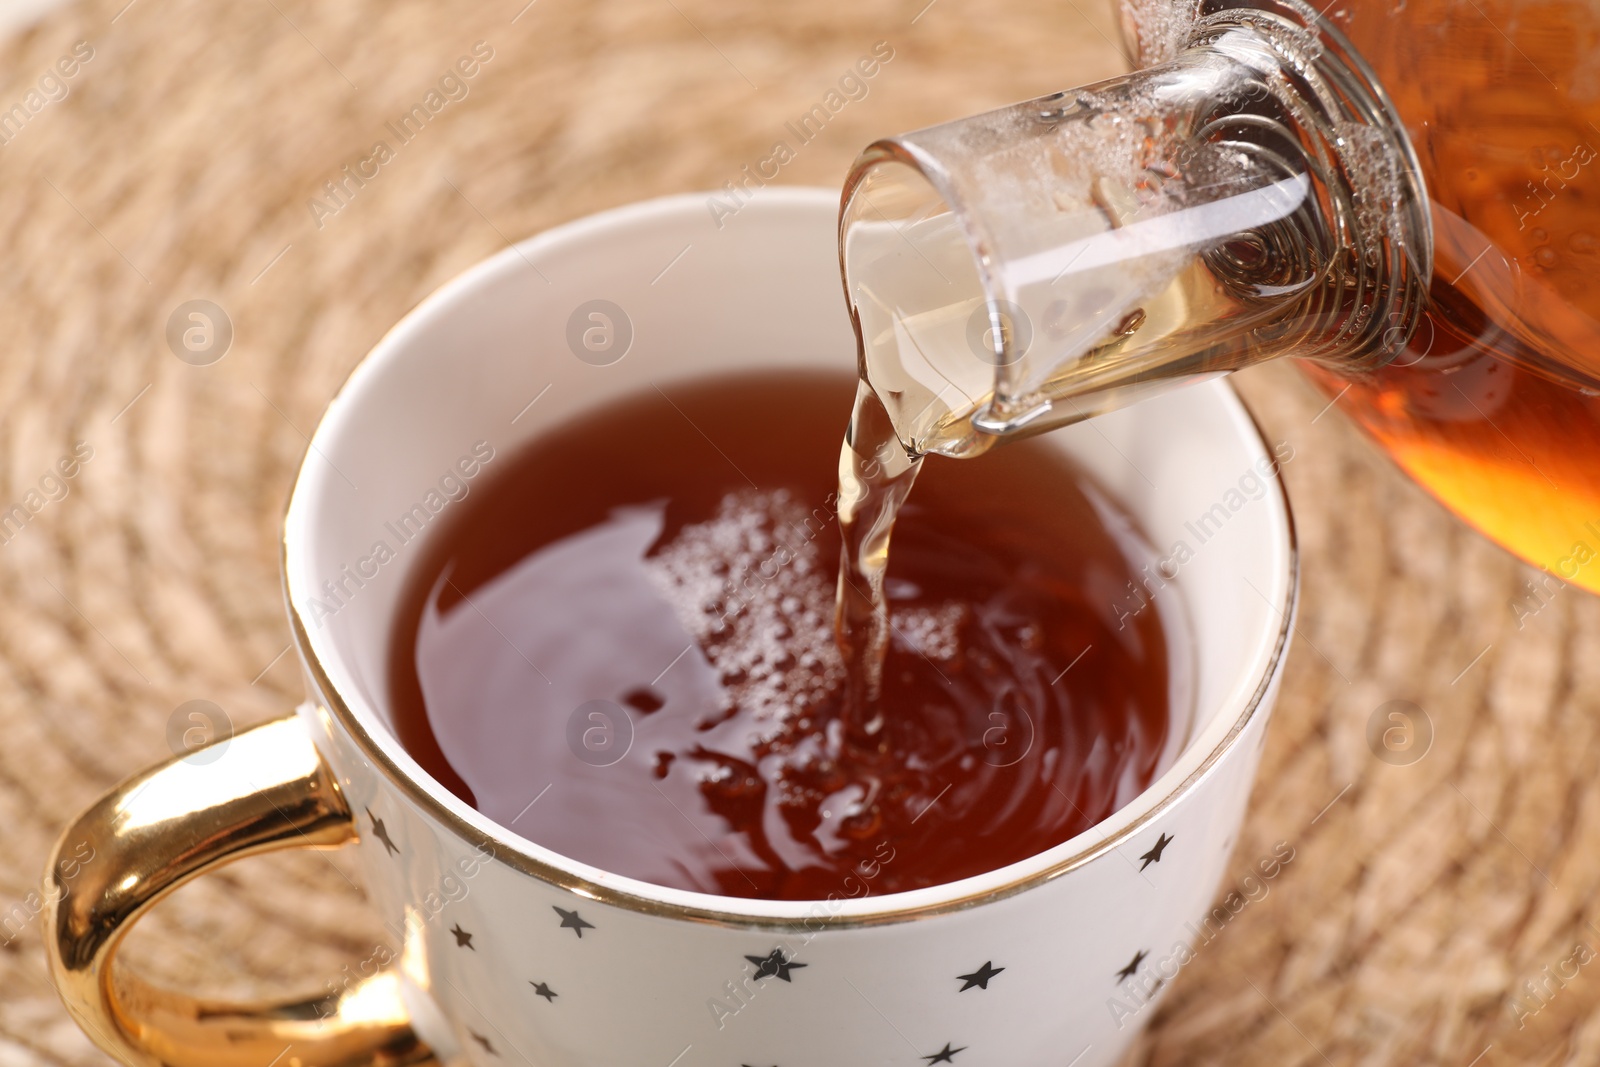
(904, 306)
(875, 475)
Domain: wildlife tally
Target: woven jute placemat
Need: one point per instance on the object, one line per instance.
(184, 158)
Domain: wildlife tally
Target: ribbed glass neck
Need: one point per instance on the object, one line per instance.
(1249, 197)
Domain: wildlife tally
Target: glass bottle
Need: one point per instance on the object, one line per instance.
(1403, 194)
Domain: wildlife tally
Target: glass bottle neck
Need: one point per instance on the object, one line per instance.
(1251, 196)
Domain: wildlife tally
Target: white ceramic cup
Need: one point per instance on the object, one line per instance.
(1048, 962)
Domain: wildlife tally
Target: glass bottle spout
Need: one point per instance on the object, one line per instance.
(1250, 195)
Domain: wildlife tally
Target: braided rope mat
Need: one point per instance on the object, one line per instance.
(179, 164)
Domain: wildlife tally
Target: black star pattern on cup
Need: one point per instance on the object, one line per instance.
(1132, 968)
(480, 1039)
(979, 978)
(774, 965)
(382, 834)
(945, 1055)
(1154, 855)
(463, 939)
(571, 921)
(542, 990)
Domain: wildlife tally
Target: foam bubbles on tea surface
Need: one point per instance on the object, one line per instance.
(935, 633)
(753, 588)
(750, 586)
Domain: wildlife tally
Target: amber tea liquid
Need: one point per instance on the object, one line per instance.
(1495, 408)
(624, 649)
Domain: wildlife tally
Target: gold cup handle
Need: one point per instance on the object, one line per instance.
(268, 790)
